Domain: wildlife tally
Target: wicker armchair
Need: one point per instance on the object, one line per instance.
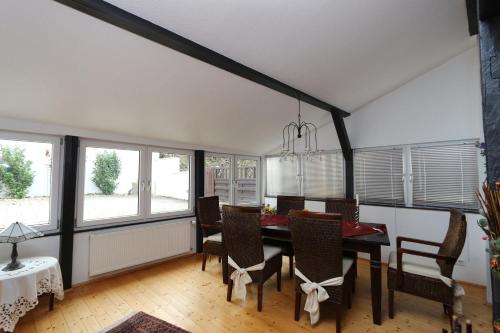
(243, 240)
(422, 273)
(348, 209)
(284, 205)
(317, 242)
(210, 222)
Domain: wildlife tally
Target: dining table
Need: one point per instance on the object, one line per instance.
(356, 238)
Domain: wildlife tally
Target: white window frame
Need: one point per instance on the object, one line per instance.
(232, 162)
(408, 172)
(257, 176)
(144, 180)
(300, 169)
(147, 205)
(56, 183)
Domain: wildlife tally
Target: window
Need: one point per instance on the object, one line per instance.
(324, 176)
(445, 175)
(29, 180)
(378, 176)
(317, 176)
(235, 179)
(170, 182)
(282, 177)
(439, 175)
(120, 183)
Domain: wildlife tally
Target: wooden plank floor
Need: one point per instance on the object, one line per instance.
(180, 293)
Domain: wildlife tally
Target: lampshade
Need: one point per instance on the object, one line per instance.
(18, 232)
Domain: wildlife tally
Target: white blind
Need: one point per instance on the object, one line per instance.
(324, 176)
(445, 176)
(281, 176)
(378, 176)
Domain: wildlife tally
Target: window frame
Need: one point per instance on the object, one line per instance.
(144, 213)
(56, 174)
(300, 172)
(149, 162)
(408, 173)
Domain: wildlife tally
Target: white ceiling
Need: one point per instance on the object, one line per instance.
(63, 67)
(346, 52)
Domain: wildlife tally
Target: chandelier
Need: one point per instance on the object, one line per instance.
(299, 129)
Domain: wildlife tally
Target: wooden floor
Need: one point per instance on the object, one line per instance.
(180, 293)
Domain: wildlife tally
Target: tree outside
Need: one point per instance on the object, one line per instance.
(107, 168)
(16, 174)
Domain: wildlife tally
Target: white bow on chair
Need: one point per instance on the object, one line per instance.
(316, 293)
(241, 277)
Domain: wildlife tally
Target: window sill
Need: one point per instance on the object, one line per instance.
(131, 223)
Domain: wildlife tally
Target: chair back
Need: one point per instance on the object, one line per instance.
(317, 244)
(208, 213)
(285, 203)
(242, 235)
(346, 207)
(453, 242)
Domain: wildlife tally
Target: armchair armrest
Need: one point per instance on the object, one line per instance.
(401, 251)
(401, 239)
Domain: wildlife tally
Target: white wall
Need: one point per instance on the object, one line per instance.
(43, 246)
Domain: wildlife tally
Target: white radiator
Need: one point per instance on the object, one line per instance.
(111, 251)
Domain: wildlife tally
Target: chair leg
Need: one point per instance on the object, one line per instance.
(445, 309)
(259, 301)
(278, 279)
(290, 266)
(51, 301)
(353, 283)
(229, 290)
(298, 296)
(338, 317)
(391, 303)
(349, 299)
(449, 311)
(220, 259)
(204, 262)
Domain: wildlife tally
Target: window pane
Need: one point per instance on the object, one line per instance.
(445, 176)
(246, 182)
(378, 176)
(324, 176)
(281, 176)
(169, 182)
(25, 182)
(217, 177)
(111, 183)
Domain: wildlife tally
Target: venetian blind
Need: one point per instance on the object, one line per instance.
(378, 176)
(445, 175)
(281, 176)
(324, 175)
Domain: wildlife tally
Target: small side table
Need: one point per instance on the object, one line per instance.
(19, 289)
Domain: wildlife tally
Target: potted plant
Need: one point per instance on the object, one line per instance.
(490, 224)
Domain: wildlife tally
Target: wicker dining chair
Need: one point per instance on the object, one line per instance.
(284, 204)
(210, 221)
(317, 242)
(419, 273)
(348, 209)
(243, 240)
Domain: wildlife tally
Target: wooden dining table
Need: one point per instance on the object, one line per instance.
(371, 244)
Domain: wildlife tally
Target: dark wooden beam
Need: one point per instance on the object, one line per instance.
(472, 16)
(488, 9)
(68, 204)
(348, 154)
(199, 191)
(139, 26)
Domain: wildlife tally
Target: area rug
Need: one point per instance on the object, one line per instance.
(140, 322)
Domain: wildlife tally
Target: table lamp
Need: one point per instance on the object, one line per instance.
(16, 233)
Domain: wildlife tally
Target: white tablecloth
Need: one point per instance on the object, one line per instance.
(19, 289)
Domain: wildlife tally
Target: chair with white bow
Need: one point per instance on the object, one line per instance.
(426, 274)
(321, 271)
(249, 260)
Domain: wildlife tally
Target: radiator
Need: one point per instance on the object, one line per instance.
(111, 251)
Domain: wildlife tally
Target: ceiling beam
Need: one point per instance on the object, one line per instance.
(472, 16)
(139, 26)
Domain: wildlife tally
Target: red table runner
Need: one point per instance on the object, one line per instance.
(349, 228)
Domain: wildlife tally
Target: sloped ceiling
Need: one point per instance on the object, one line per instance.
(62, 67)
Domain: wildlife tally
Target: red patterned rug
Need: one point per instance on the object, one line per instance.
(140, 322)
